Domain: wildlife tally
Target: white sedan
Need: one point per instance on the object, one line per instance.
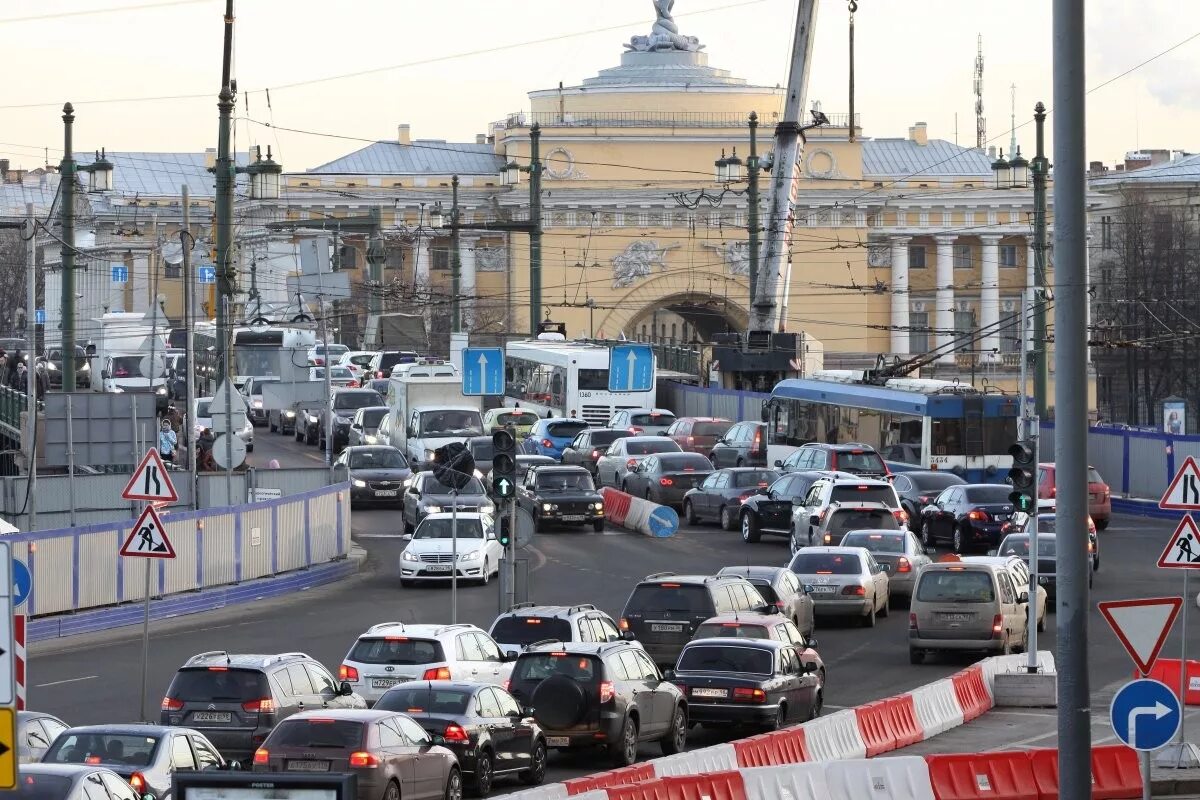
(203, 418)
(624, 454)
(430, 552)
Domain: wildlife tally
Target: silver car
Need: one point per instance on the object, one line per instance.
(427, 495)
(613, 466)
(643, 421)
(72, 782)
(35, 732)
(845, 581)
(900, 550)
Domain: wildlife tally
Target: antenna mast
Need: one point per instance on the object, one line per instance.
(1012, 142)
(980, 122)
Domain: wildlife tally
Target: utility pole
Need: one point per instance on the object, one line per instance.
(1041, 172)
(68, 357)
(225, 174)
(375, 259)
(456, 261)
(853, 8)
(752, 169)
(535, 234)
(189, 357)
(1070, 424)
(66, 182)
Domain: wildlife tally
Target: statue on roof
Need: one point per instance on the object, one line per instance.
(664, 36)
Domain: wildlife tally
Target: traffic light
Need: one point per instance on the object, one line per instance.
(504, 530)
(504, 464)
(1022, 476)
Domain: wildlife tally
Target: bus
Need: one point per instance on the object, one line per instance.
(914, 423)
(558, 377)
(257, 350)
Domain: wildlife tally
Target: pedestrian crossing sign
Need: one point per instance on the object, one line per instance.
(1183, 551)
(148, 538)
(1184, 492)
(150, 481)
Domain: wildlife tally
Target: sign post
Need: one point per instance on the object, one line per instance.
(8, 671)
(22, 585)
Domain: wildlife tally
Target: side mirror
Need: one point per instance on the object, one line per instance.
(233, 766)
(528, 710)
(779, 462)
(814, 520)
(345, 689)
(809, 588)
(809, 666)
(993, 552)
(508, 655)
(628, 636)
(148, 796)
(437, 738)
(767, 608)
(104, 374)
(1023, 597)
(668, 675)
(812, 641)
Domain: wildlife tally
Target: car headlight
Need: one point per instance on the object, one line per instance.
(429, 454)
(407, 556)
(359, 484)
(433, 509)
(487, 509)
(478, 474)
(86, 367)
(369, 439)
(598, 506)
(161, 390)
(340, 420)
(408, 482)
(289, 414)
(474, 555)
(248, 428)
(50, 365)
(258, 403)
(549, 507)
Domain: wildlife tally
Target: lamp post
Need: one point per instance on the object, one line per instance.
(1041, 174)
(752, 169)
(1002, 172)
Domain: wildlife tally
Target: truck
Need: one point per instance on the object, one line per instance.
(395, 331)
(129, 353)
(429, 410)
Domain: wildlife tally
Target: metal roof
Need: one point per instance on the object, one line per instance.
(422, 157)
(161, 174)
(37, 189)
(902, 158)
(1185, 169)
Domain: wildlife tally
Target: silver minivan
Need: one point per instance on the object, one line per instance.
(965, 606)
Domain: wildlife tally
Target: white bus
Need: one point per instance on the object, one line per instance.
(256, 350)
(560, 377)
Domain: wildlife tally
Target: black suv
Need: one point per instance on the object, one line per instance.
(589, 693)
(665, 609)
(236, 700)
(343, 403)
(853, 457)
(554, 495)
(771, 511)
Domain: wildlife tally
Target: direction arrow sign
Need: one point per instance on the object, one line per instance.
(1142, 625)
(206, 274)
(120, 274)
(39, 316)
(148, 538)
(631, 368)
(22, 582)
(8, 748)
(1183, 549)
(1145, 714)
(503, 486)
(1184, 492)
(150, 480)
(483, 371)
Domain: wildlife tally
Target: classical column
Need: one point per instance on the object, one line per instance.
(989, 300)
(423, 246)
(466, 259)
(139, 278)
(944, 306)
(900, 295)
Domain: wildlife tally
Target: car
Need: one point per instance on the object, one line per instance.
(339, 377)
(376, 473)
(364, 425)
(759, 682)
(1047, 521)
(35, 732)
(1018, 544)
(586, 448)
(780, 587)
(698, 434)
(483, 451)
(144, 755)
(1018, 572)
(1099, 493)
(665, 478)
(615, 462)
(73, 782)
(842, 488)
(643, 421)
(252, 390)
(664, 609)
(83, 369)
(900, 550)
(839, 518)
(584, 693)
(378, 384)
(960, 606)
(489, 732)
(554, 495)
(526, 623)
(391, 653)
(548, 437)
(432, 548)
(358, 362)
(202, 417)
(743, 445)
(342, 405)
(383, 361)
(236, 699)
(972, 516)
(919, 488)
(319, 354)
(389, 754)
(770, 511)
(720, 496)
(521, 420)
(854, 457)
(427, 495)
(283, 420)
(527, 462)
(845, 581)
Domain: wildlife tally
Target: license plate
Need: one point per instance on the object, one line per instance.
(558, 741)
(308, 766)
(383, 683)
(955, 617)
(823, 589)
(702, 692)
(385, 492)
(437, 567)
(659, 627)
(212, 716)
(573, 518)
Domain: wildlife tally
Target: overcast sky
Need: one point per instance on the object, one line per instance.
(450, 67)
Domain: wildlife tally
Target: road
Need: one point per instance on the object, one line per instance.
(95, 678)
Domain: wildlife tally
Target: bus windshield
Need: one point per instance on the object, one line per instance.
(256, 362)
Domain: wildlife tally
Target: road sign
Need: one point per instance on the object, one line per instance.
(663, 522)
(1184, 492)
(150, 481)
(120, 274)
(148, 538)
(236, 451)
(22, 582)
(8, 749)
(1183, 549)
(153, 368)
(206, 273)
(631, 368)
(39, 316)
(1145, 714)
(526, 527)
(227, 395)
(483, 371)
(1142, 625)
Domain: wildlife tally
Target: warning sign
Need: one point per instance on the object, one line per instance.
(150, 481)
(1184, 492)
(148, 539)
(1183, 550)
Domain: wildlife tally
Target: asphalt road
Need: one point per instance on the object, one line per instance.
(96, 678)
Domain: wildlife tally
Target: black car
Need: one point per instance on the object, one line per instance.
(482, 450)
(664, 478)
(743, 445)
(342, 404)
(364, 425)
(919, 488)
(719, 498)
(557, 494)
(760, 682)
(852, 457)
(589, 445)
(771, 511)
(484, 726)
(972, 516)
(526, 462)
(376, 473)
(611, 693)
(1017, 544)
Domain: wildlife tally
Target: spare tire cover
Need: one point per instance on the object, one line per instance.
(559, 702)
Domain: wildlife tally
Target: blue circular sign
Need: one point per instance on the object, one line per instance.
(22, 582)
(1145, 714)
(663, 522)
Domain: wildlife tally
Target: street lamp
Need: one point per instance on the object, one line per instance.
(734, 167)
(1002, 171)
(722, 168)
(512, 173)
(1020, 171)
(437, 217)
(264, 177)
(100, 173)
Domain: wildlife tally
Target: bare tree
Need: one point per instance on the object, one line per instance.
(12, 283)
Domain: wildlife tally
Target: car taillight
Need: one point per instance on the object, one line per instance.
(363, 759)
(631, 462)
(925, 499)
(353, 384)
(1091, 547)
(138, 781)
(320, 362)
(1052, 491)
(779, 604)
(691, 440)
(635, 430)
(378, 373)
(623, 624)
(997, 625)
(171, 704)
(744, 496)
(857, 591)
(507, 684)
(912, 622)
(900, 514)
(262, 756)
(828, 539)
(665, 482)
(347, 673)
(436, 674)
(547, 443)
(749, 695)
(455, 733)
(607, 692)
(263, 705)
(903, 565)
(595, 454)
(682, 687)
(977, 515)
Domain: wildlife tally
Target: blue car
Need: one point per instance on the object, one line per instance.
(548, 437)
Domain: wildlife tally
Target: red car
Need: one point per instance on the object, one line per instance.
(1099, 495)
(698, 434)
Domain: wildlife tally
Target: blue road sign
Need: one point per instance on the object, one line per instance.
(483, 371)
(1145, 714)
(664, 521)
(631, 368)
(206, 273)
(22, 582)
(39, 316)
(120, 274)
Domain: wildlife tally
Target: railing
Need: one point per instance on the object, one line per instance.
(12, 405)
(655, 119)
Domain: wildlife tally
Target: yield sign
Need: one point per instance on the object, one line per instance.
(1142, 625)
(150, 481)
(1184, 492)
(1183, 551)
(148, 538)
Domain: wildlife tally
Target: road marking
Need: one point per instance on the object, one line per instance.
(68, 680)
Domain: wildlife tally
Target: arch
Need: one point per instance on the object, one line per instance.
(705, 312)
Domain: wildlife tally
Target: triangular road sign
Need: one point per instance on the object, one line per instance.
(1184, 492)
(148, 538)
(1142, 625)
(1183, 550)
(150, 480)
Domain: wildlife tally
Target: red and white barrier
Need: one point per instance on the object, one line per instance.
(639, 515)
(19, 662)
(937, 707)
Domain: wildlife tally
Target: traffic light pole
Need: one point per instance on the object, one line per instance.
(1032, 432)
(510, 561)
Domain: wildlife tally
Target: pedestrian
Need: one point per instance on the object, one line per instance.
(167, 440)
(573, 414)
(204, 444)
(41, 381)
(18, 380)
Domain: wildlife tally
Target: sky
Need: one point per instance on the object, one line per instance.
(144, 74)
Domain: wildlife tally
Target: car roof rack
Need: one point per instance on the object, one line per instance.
(210, 654)
(581, 607)
(445, 628)
(517, 606)
(380, 626)
(542, 643)
(656, 575)
(275, 659)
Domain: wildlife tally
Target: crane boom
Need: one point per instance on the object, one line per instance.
(786, 172)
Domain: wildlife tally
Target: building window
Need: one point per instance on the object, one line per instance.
(172, 270)
(918, 332)
(1008, 255)
(1010, 333)
(916, 257)
(962, 256)
(964, 323)
(1106, 233)
(347, 257)
(441, 256)
(393, 258)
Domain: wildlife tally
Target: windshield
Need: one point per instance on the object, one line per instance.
(424, 699)
(645, 448)
(334, 734)
(527, 630)
(536, 667)
(202, 409)
(876, 542)
(398, 650)
(687, 462)
(844, 520)
(256, 386)
(864, 493)
(521, 419)
(451, 423)
(965, 586)
(355, 400)
(332, 349)
(711, 428)
(988, 494)
(387, 360)
(708, 658)
(860, 462)
(736, 630)
(1094, 476)
(441, 529)
(122, 750)
(377, 458)
(760, 478)
(601, 438)
(372, 417)
(656, 418)
(222, 684)
(1019, 546)
(434, 486)
(42, 787)
(826, 564)
(566, 429)
(564, 481)
(673, 597)
(256, 362)
(127, 367)
(934, 482)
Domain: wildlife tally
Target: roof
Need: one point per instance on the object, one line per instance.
(904, 158)
(161, 174)
(241, 660)
(134, 728)
(418, 630)
(729, 641)
(65, 770)
(747, 619)
(347, 714)
(751, 571)
(40, 190)
(422, 157)
(1186, 169)
(550, 611)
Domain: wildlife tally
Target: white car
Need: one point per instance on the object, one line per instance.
(339, 377)
(317, 354)
(643, 421)
(429, 553)
(357, 361)
(202, 418)
(252, 390)
(613, 465)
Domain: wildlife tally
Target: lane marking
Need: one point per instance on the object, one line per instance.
(68, 680)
